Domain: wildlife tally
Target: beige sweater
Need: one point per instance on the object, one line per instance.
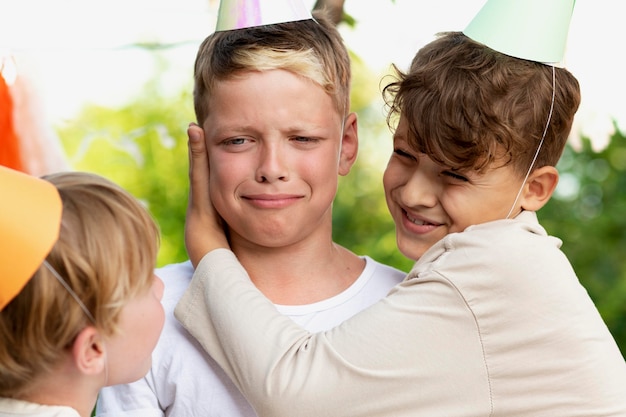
(490, 322)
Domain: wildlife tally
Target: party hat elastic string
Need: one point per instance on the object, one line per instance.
(545, 131)
(70, 291)
(87, 313)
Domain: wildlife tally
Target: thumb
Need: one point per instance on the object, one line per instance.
(203, 228)
(198, 164)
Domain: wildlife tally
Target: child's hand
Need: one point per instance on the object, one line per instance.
(203, 226)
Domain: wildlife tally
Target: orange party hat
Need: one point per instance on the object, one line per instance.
(30, 219)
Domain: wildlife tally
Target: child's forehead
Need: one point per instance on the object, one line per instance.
(256, 100)
(283, 79)
(246, 74)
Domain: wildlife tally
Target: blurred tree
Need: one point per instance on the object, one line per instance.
(587, 214)
(142, 147)
(361, 221)
(333, 7)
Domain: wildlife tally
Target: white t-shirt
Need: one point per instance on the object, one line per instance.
(185, 382)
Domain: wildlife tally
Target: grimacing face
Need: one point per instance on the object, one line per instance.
(275, 149)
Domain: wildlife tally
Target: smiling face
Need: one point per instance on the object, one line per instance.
(275, 149)
(428, 201)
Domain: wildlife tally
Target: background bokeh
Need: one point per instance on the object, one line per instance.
(109, 87)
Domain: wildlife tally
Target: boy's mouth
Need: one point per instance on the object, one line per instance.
(418, 221)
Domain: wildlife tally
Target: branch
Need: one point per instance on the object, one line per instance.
(334, 8)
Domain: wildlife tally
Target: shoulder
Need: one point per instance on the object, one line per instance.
(524, 227)
(379, 271)
(508, 243)
(375, 282)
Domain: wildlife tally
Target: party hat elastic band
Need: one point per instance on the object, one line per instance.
(543, 138)
(30, 219)
(69, 289)
(240, 14)
(535, 30)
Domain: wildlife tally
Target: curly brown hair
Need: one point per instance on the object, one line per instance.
(468, 105)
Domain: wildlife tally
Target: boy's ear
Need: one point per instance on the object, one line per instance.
(88, 351)
(539, 187)
(349, 144)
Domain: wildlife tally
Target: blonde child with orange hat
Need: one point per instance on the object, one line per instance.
(79, 302)
(492, 320)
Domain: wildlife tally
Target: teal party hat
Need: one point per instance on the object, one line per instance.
(535, 30)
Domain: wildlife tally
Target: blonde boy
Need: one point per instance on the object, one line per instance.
(90, 315)
(273, 104)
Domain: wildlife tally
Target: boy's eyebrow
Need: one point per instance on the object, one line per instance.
(399, 137)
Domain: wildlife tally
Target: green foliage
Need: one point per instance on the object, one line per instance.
(142, 147)
(587, 214)
(361, 221)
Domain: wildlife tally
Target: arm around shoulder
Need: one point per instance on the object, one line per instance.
(283, 370)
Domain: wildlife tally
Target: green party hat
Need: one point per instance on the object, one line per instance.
(535, 30)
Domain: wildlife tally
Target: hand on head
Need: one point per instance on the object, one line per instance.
(203, 226)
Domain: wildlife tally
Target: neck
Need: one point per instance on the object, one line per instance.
(65, 387)
(301, 273)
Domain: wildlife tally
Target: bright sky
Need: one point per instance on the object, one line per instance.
(76, 50)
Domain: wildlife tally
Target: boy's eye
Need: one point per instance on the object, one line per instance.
(303, 139)
(235, 141)
(402, 153)
(454, 175)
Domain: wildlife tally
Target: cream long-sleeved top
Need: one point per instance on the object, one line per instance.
(489, 322)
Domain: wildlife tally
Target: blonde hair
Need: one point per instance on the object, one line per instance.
(106, 252)
(312, 49)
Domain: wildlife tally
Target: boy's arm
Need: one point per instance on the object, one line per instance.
(361, 368)
(204, 231)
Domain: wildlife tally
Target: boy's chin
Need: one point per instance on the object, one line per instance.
(411, 250)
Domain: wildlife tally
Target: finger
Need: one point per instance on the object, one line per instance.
(198, 165)
(203, 229)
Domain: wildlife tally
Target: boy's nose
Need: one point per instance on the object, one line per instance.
(419, 191)
(272, 165)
